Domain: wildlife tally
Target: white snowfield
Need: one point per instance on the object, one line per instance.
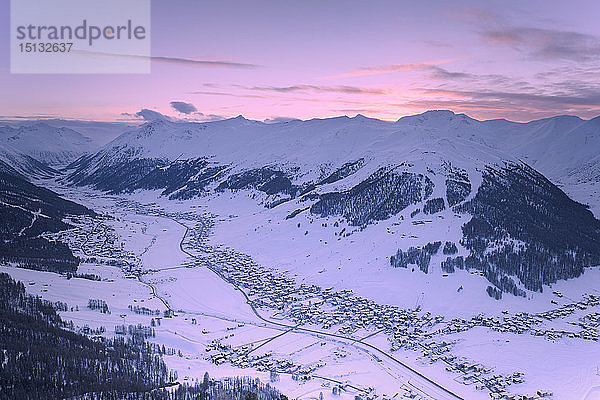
(24, 164)
(208, 261)
(563, 148)
(208, 309)
(53, 146)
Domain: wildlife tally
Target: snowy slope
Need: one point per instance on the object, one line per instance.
(461, 178)
(26, 212)
(316, 146)
(24, 164)
(555, 146)
(47, 144)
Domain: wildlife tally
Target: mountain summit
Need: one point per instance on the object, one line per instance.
(439, 177)
(47, 144)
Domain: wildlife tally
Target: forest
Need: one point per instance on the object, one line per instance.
(524, 226)
(381, 195)
(26, 212)
(41, 359)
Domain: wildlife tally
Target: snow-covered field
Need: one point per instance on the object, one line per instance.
(210, 316)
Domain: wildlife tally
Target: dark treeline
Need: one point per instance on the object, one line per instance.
(39, 359)
(434, 205)
(98, 304)
(182, 179)
(265, 179)
(38, 253)
(383, 194)
(344, 171)
(116, 179)
(524, 226)
(524, 232)
(26, 212)
(450, 248)
(457, 189)
(238, 388)
(415, 255)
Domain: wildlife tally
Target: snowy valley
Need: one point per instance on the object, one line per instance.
(433, 257)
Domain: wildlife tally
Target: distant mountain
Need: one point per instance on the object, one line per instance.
(437, 168)
(26, 212)
(99, 131)
(24, 164)
(52, 146)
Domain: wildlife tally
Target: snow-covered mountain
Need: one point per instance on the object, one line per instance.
(27, 166)
(438, 177)
(26, 212)
(49, 145)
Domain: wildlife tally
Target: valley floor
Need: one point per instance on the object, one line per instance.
(229, 303)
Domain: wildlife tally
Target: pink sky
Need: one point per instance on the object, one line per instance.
(495, 59)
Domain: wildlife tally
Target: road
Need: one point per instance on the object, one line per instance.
(425, 384)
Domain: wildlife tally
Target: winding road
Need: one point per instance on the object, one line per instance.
(416, 379)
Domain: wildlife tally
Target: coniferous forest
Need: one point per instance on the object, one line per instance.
(40, 359)
(26, 212)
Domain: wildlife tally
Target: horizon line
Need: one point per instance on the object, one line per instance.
(141, 121)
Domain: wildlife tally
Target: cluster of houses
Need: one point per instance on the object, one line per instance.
(522, 322)
(245, 356)
(341, 311)
(351, 315)
(93, 240)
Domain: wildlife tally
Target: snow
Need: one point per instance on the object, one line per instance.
(558, 147)
(197, 293)
(45, 143)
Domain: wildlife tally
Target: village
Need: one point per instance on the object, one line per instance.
(341, 312)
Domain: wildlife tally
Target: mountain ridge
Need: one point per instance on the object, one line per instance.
(54, 147)
(434, 168)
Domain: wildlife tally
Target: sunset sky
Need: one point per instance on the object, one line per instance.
(519, 60)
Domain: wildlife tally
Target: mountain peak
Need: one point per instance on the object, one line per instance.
(360, 117)
(436, 116)
(51, 145)
(35, 126)
(440, 113)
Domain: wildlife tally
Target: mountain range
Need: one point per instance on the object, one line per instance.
(52, 146)
(493, 196)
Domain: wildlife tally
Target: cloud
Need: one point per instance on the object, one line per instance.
(213, 117)
(484, 80)
(512, 105)
(201, 117)
(295, 89)
(386, 69)
(205, 63)
(442, 73)
(176, 60)
(546, 44)
(27, 117)
(320, 89)
(151, 115)
(591, 99)
(365, 111)
(146, 115)
(252, 96)
(184, 108)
